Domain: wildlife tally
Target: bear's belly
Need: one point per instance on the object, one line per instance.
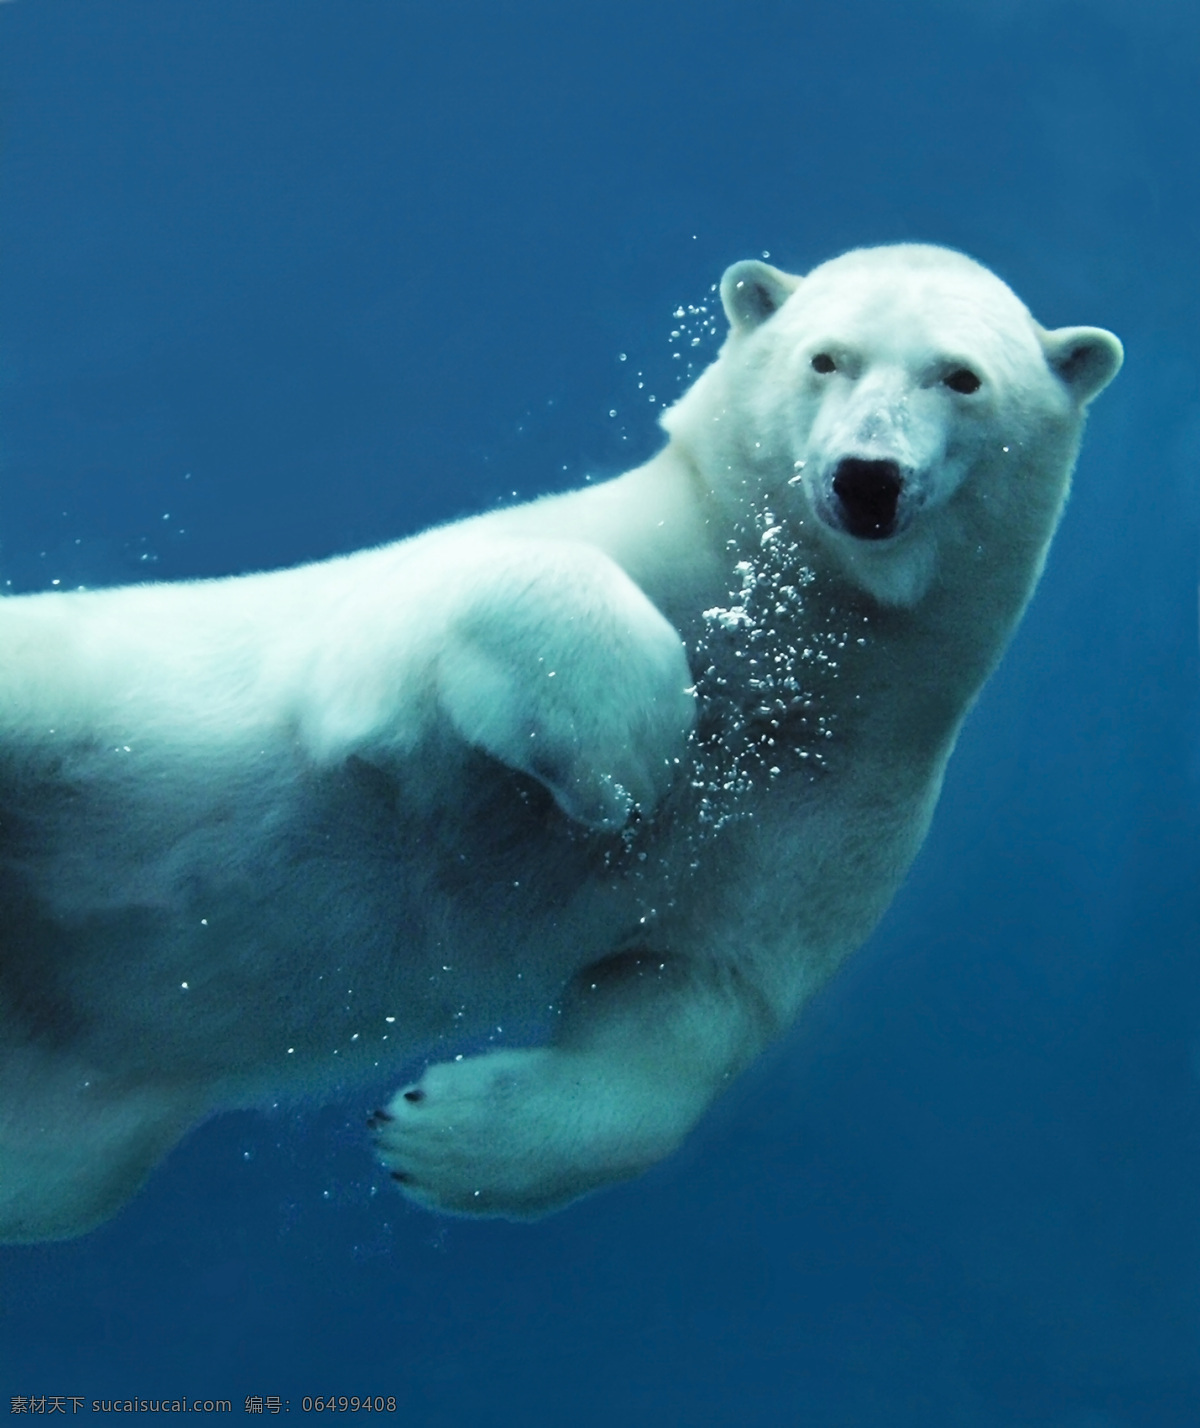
(270, 925)
(251, 924)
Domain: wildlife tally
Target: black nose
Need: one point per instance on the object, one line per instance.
(868, 493)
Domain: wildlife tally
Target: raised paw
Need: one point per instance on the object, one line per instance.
(559, 666)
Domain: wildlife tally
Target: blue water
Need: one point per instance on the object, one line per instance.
(280, 278)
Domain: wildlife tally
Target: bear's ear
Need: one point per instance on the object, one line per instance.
(752, 291)
(1086, 358)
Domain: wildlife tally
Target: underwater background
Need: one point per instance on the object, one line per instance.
(281, 278)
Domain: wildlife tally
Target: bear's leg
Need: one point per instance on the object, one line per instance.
(72, 1152)
(645, 1044)
(559, 666)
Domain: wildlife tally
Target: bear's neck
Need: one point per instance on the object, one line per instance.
(898, 680)
(913, 679)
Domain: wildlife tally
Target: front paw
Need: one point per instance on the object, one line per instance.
(559, 666)
(505, 1134)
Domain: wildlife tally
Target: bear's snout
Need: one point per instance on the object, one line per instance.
(867, 496)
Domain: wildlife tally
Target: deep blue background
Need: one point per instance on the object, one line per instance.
(283, 277)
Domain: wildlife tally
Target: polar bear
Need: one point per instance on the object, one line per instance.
(576, 802)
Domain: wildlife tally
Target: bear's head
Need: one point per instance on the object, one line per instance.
(894, 402)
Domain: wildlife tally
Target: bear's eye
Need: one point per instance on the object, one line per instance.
(823, 362)
(963, 380)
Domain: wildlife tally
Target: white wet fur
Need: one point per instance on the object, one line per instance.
(626, 772)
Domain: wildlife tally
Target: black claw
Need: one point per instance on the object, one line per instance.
(402, 1177)
(415, 1095)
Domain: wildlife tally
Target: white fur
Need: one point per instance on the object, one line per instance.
(626, 771)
